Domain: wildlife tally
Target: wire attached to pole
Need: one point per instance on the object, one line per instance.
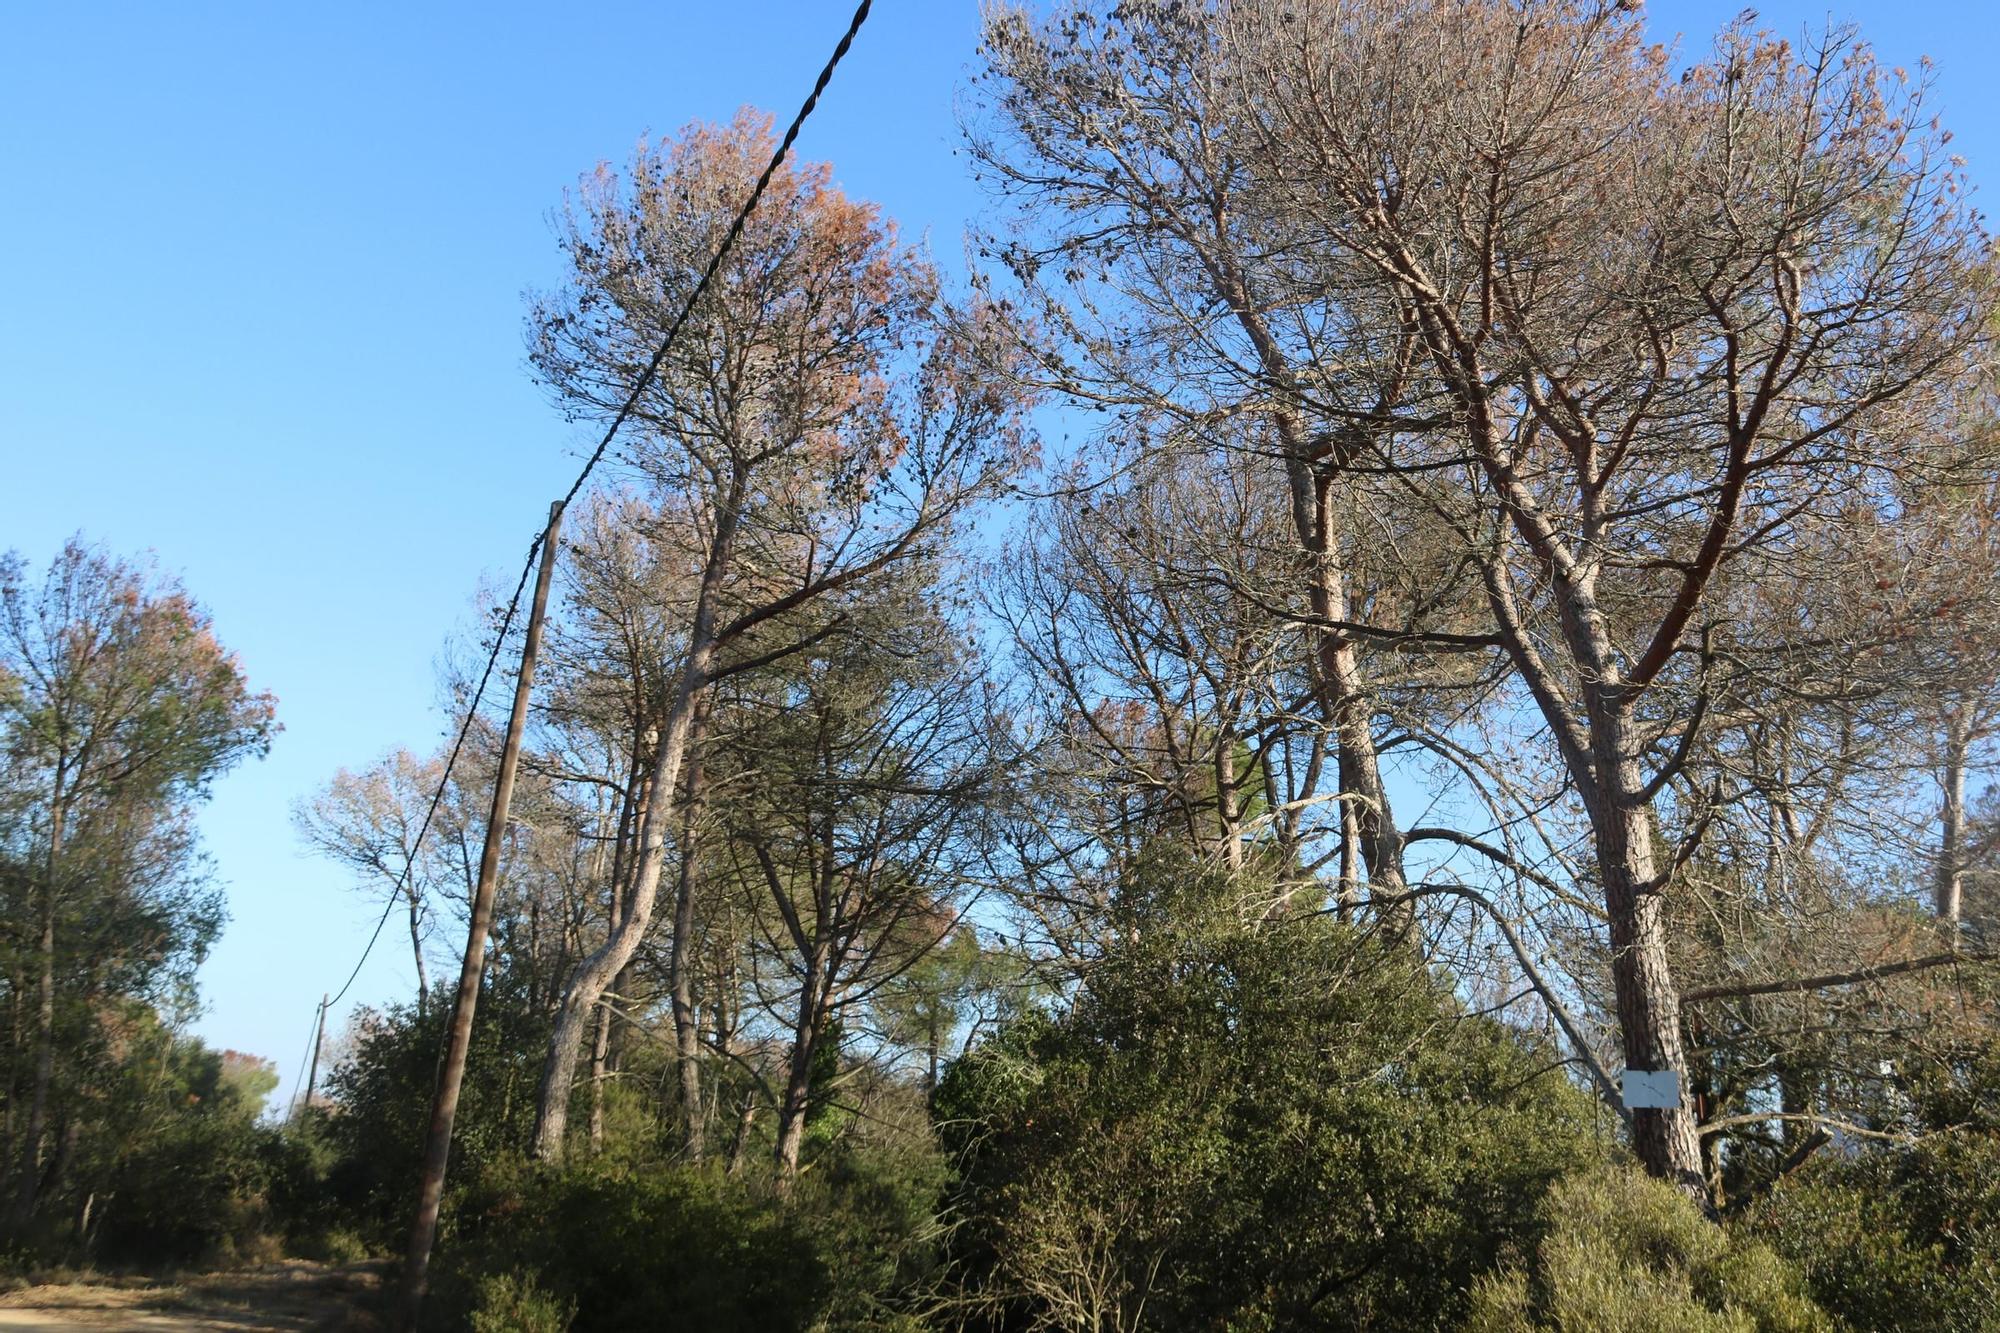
(624, 412)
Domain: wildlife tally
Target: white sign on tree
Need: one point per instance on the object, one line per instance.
(1650, 1089)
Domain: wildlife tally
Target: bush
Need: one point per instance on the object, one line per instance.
(1622, 1253)
(1274, 1125)
(511, 1304)
(627, 1249)
(871, 1211)
(1898, 1239)
(193, 1191)
(640, 1247)
(383, 1091)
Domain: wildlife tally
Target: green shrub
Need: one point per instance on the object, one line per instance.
(629, 1249)
(622, 1247)
(1622, 1253)
(383, 1090)
(1898, 1239)
(191, 1191)
(1273, 1125)
(513, 1304)
(871, 1212)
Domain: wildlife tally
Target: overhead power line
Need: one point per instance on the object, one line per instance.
(624, 412)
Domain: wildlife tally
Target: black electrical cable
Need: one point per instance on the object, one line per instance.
(639, 388)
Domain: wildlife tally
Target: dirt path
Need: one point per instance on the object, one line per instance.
(293, 1296)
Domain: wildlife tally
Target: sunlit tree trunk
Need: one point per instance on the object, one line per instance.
(595, 973)
(1950, 873)
(687, 1035)
(797, 1099)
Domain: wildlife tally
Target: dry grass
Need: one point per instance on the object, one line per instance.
(292, 1296)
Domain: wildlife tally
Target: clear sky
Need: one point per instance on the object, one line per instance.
(260, 313)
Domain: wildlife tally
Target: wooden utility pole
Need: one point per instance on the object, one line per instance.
(312, 1070)
(444, 1110)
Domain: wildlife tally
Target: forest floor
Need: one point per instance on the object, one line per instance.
(292, 1297)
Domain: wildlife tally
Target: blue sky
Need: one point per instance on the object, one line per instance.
(260, 313)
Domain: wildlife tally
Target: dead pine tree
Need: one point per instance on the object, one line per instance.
(1678, 322)
(821, 418)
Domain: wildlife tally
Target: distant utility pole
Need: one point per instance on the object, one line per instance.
(437, 1146)
(319, 1035)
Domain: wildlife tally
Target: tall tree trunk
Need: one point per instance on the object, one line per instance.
(67, 1139)
(28, 1183)
(1228, 809)
(1950, 874)
(687, 1037)
(1647, 998)
(594, 974)
(797, 1099)
(600, 1048)
(1376, 835)
(1350, 863)
(17, 1045)
(1348, 709)
(1706, 1099)
(607, 1010)
(1601, 751)
(632, 809)
(739, 1142)
(417, 946)
(1311, 468)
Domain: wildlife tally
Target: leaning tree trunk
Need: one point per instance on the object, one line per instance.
(593, 976)
(600, 1046)
(637, 794)
(797, 1098)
